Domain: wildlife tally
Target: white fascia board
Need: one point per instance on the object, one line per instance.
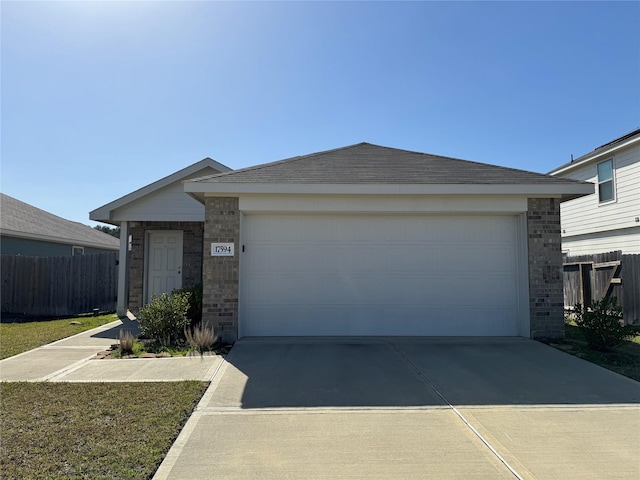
(591, 157)
(571, 190)
(102, 214)
(48, 238)
(105, 212)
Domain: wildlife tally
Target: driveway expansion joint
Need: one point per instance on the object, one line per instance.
(429, 383)
(316, 410)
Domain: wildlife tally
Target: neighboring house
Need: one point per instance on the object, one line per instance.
(361, 240)
(609, 219)
(161, 241)
(31, 232)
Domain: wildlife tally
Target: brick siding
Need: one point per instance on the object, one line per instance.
(546, 300)
(192, 234)
(221, 274)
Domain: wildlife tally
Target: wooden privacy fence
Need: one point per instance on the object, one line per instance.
(58, 286)
(590, 278)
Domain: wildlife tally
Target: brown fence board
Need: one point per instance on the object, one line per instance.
(589, 277)
(631, 287)
(58, 285)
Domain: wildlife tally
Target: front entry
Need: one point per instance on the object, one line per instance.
(163, 262)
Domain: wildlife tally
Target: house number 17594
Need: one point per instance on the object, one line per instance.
(222, 249)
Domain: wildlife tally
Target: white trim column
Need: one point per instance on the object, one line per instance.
(123, 270)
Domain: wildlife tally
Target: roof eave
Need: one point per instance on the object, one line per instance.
(199, 196)
(566, 191)
(593, 156)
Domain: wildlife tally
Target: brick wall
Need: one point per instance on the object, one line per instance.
(221, 274)
(192, 234)
(546, 300)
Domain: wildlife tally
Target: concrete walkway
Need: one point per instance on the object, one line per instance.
(73, 359)
(409, 408)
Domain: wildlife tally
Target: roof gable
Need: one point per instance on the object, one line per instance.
(133, 200)
(19, 219)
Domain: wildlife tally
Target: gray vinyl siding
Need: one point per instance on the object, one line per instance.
(37, 248)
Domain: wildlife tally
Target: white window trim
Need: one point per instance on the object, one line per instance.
(73, 250)
(613, 182)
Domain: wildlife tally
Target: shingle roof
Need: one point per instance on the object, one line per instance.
(619, 140)
(19, 218)
(634, 136)
(365, 163)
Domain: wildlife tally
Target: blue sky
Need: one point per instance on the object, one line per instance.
(102, 98)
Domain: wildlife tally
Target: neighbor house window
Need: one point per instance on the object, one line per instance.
(605, 181)
(78, 251)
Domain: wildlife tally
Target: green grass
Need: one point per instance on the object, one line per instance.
(91, 430)
(22, 336)
(624, 359)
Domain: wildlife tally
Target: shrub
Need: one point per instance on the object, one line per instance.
(165, 318)
(195, 302)
(126, 341)
(602, 324)
(201, 338)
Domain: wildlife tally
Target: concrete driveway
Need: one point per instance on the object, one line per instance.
(409, 408)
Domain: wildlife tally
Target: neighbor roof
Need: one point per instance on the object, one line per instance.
(606, 149)
(19, 219)
(367, 164)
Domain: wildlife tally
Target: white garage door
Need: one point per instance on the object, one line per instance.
(379, 275)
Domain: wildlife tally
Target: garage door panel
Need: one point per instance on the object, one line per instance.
(285, 290)
(379, 275)
(356, 258)
(404, 321)
(376, 290)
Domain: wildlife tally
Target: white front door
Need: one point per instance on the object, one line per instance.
(164, 262)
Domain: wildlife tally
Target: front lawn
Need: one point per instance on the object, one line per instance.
(624, 360)
(22, 336)
(91, 430)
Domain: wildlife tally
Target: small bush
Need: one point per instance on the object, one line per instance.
(201, 338)
(602, 324)
(165, 318)
(195, 302)
(126, 342)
